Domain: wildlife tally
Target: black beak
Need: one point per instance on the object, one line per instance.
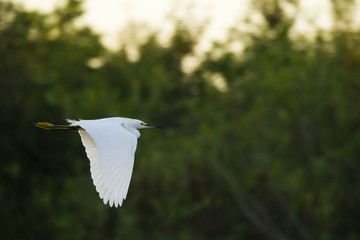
(149, 125)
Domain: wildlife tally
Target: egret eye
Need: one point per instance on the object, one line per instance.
(143, 124)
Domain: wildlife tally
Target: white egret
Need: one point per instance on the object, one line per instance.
(110, 145)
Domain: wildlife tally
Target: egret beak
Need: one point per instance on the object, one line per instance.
(153, 126)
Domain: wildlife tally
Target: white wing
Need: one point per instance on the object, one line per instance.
(110, 149)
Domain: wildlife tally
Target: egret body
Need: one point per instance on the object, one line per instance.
(110, 145)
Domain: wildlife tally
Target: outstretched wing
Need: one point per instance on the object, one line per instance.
(110, 149)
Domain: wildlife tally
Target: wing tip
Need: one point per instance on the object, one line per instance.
(112, 202)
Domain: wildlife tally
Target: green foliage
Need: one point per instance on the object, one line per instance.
(273, 156)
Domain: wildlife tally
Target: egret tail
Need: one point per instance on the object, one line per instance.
(50, 126)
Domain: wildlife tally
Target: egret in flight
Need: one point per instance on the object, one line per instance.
(110, 145)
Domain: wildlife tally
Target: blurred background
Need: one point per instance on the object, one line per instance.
(261, 117)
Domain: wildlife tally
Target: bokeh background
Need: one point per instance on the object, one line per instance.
(261, 141)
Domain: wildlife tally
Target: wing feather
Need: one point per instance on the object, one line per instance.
(110, 149)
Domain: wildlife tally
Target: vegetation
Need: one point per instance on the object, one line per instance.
(273, 154)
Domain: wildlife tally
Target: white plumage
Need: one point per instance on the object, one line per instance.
(110, 145)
